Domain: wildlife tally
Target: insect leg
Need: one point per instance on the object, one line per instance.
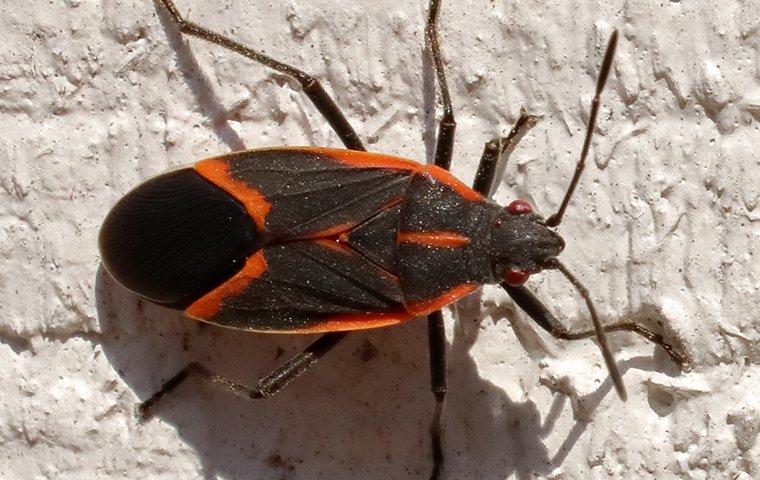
(311, 86)
(444, 146)
(437, 346)
(546, 320)
(266, 387)
(443, 151)
(497, 148)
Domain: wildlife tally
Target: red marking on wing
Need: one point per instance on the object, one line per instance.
(445, 177)
(357, 321)
(434, 239)
(216, 170)
(338, 246)
(377, 160)
(331, 232)
(361, 159)
(427, 306)
(335, 246)
(392, 202)
(209, 305)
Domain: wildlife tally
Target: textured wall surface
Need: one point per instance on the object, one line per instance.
(96, 96)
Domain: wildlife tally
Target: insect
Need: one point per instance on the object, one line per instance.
(321, 240)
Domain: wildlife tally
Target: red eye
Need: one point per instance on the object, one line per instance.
(519, 207)
(515, 277)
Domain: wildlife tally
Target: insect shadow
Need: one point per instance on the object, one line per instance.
(357, 416)
(200, 85)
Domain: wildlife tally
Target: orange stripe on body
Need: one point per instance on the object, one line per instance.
(357, 321)
(335, 231)
(216, 170)
(427, 306)
(359, 159)
(434, 239)
(377, 160)
(445, 177)
(209, 305)
(362, 321)
(335, 246)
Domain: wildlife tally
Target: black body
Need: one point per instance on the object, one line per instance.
(332, 238)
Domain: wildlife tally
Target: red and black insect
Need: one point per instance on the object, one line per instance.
(307, 240)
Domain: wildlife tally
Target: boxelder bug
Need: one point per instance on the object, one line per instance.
(305, 240)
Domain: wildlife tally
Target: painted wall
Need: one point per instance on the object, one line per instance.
(96, 96)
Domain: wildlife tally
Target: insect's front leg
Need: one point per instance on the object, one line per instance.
(497, 150)
(536, 310)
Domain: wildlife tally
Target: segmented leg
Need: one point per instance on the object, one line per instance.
(444, 146)
(437, 346)
(484, 183)
(497, 149)
(311, 86)
(267, 386)
(443, 152)
(546, 320)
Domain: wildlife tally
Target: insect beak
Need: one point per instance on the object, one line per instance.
(560, 243)
(555, 244)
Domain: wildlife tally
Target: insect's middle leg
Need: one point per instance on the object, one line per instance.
(267, 387)
(311, 86)
(437, 346)
(443, 151)
(444, 146)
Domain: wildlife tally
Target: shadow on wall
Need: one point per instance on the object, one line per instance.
(362, 412)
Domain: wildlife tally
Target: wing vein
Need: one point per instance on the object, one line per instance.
(330, 211)
(356, 282)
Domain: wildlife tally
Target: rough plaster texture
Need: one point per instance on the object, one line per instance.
(96, 96)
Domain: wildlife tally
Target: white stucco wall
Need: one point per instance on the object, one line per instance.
(96, 96)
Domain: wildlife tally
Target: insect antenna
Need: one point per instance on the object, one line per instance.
(609, 360)
(555, 219)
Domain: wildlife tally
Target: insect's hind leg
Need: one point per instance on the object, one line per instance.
(267, 387)
(546, 320)
(311, 86)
